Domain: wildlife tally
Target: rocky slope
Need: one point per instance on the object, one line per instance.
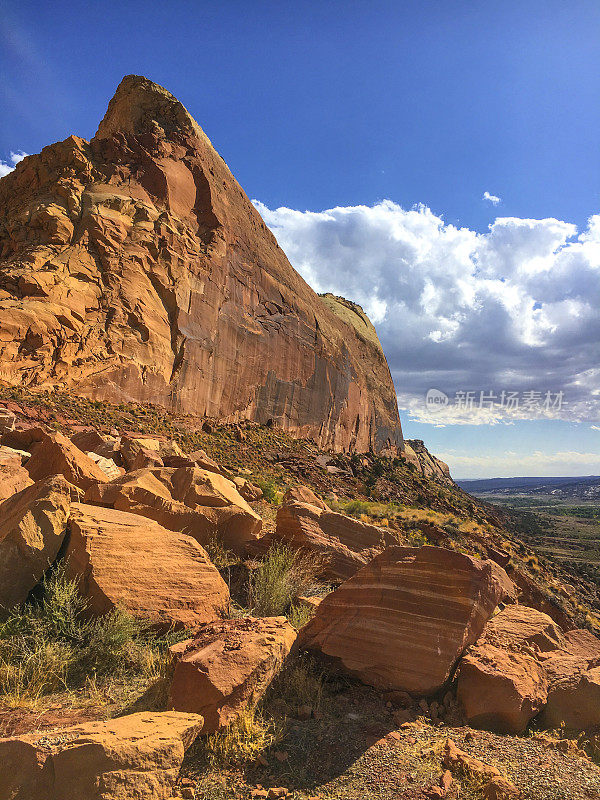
(184, 590)
(134, 268)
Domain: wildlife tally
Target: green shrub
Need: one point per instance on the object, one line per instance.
(49, 645)
(269, 489)
(113, 643)
(356, 507)
(299, 615)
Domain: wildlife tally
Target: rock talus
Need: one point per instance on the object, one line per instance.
(186, 499)
(524, 665)
(134, 268)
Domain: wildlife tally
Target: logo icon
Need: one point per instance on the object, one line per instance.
(435, 399)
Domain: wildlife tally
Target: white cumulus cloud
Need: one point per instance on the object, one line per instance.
(513, 309)
(14, 159)
(493, 198)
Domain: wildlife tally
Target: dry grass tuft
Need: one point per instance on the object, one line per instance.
(282, 575)
(300, 682)
(241, 741)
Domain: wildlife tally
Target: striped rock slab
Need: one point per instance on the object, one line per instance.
(404, 619)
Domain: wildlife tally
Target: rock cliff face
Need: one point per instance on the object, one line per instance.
(134, 268)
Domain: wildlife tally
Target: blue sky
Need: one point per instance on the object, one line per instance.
(335, 107)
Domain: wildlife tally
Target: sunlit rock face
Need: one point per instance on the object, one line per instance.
(134, 268)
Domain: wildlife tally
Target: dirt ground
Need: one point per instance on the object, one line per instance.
(353, 750)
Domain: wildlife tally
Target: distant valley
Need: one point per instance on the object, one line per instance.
(584, 488)
(558, 517)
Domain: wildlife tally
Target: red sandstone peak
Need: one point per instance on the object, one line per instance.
(134, 268)
(139, 105)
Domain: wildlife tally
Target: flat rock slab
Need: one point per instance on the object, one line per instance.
(228, 665)
(136, 756)
(404, 619)
(156, 574)
(33, 524)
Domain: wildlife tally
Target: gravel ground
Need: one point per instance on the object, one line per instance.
(355, 752)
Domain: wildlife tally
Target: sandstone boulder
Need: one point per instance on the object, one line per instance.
(501, 683)
(186, 499)
(582, 644)
(91, 440)
(10, 455)
(155, 574)
(518, 625)
(402, 621)
(573, 683)
(573, 699)
(344, 544)
(136, 756)
(139, 452)
(202, 460)
(7, 420)
(534, 595)
(248, 490)
(501, 690)
(524, 664)
(54, 454)
(13, 478)
(32, 528)
(24, 437)
(107, 465)
(303, 494)
(228, 665)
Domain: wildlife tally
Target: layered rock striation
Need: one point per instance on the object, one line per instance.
(403, 620)
(134, 268)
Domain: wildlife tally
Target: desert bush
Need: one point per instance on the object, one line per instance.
(452, 529)
(49, 645)
(299, 615)
(416, 538)
(220, 556)
(282, 575)
(355, 507)
(270, 491)
(242, 740)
